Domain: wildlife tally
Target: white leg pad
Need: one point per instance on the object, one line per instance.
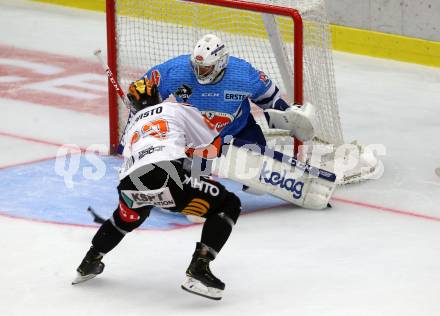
(277, 174)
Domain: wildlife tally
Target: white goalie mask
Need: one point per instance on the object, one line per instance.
(209, 59)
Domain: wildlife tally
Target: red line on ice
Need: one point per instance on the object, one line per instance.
(29, 219)
(39, 141)
(387, 209)
(180, 226)
(27, 162)
(45, 142)
(36, 140)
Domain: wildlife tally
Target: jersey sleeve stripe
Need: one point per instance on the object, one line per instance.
(267, 99)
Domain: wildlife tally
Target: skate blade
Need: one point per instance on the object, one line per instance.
(196, 287)
(80, 279)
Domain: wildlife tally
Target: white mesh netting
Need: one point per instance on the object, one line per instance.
(148, 32)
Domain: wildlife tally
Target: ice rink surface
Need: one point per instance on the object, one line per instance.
(376, 252)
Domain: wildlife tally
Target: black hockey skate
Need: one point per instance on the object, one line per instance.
(199, 278)
(90, 266)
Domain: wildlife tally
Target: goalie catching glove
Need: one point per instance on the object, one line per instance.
(298, 120)
(143, 93)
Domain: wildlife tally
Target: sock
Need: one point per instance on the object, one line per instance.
(215, 232)
(107, 237)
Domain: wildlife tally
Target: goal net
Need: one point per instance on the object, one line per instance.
(289, 40)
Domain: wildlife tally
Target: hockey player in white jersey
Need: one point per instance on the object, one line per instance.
(158, 139)
(222, 86)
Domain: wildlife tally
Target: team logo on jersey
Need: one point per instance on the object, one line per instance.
(155, 77)
(218, 119)
(184, 92)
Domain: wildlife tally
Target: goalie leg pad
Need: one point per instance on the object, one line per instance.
(317, 194)
(277, 174)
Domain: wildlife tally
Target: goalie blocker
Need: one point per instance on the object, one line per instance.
(277, 174)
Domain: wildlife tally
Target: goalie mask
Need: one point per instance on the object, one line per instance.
(209, 59)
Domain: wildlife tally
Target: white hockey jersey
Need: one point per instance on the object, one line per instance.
(163, 133)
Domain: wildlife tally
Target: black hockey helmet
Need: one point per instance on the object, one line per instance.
(143, 93)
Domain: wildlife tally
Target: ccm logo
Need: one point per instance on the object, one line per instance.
(210, 94)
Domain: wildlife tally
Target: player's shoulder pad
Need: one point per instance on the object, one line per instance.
(254, 76)
(179, 104)
(239, 62)
(179, 60)
(173, 65)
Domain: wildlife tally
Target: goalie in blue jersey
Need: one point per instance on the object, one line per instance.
(222, 86)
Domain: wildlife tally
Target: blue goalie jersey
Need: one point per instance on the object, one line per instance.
(226, 103)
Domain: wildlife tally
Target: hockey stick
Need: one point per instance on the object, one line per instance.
(119, 91)
(96, 218)
(112, 79)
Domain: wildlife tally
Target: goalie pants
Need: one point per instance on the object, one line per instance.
(201, 197)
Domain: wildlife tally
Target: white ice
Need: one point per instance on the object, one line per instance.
(371, 254)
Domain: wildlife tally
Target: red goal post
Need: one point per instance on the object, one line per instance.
(111, 61)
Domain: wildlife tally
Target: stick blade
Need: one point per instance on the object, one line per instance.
(96, 218)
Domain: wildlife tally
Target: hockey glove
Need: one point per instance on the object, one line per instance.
(143, 93)
(300, 121)
(210, 151)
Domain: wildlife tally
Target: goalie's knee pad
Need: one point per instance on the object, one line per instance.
(127, 219)
(231, 207)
